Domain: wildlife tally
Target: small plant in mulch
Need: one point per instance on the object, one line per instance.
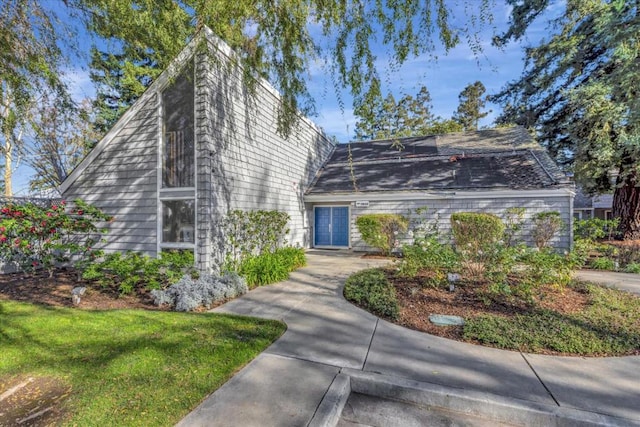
(371, 290)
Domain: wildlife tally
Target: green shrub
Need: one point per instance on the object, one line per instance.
(133, 271)
(578, 256)
(594, 228)
(603, 263)
(473, 231)
(271, 267)
(33, 237)
(545, 226)
(252, 233)
(428, 254)
(381, 230)
(628, 254)
(513, 221)
(540, 268)
(634, 268)
(371, 290)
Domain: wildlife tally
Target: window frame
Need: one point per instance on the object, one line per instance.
(165, 194)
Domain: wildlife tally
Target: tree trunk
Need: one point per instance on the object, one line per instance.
(626, 207)
(8, 157)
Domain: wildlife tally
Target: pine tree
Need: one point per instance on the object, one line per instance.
(472, 102)
(580, 93)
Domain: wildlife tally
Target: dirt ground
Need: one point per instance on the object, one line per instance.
(56, 291)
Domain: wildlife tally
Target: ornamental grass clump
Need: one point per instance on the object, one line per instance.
(189, 294)
(272, 267)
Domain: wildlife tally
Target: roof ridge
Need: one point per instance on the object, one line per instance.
(419, 157)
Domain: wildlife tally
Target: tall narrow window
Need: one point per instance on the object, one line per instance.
(176, 199)
(178, 165)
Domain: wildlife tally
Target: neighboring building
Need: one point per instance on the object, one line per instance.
(596, 206)
(484, 171)
(198, 144)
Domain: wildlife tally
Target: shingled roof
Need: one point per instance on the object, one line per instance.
(488, 159)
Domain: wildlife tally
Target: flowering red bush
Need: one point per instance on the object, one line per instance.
(33, 237)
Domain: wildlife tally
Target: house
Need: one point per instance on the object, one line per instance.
(484, 171)
(194, 146)
(587, 206)
(198, 144)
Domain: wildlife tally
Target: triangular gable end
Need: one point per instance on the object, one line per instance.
(163, 79)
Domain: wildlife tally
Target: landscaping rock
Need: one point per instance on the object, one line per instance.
(76, 293)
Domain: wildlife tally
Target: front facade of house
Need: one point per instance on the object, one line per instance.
(196, 145)
(429, 178)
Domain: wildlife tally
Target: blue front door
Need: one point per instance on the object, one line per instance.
(331, 226)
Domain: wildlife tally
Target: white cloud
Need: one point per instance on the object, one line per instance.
(79, 83)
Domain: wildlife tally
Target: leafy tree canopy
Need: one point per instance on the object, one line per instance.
(30, 60)
(580, 92)
(274, 39)
(386, 118)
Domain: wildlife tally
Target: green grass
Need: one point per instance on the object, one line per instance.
(609, 326)
(129, 367)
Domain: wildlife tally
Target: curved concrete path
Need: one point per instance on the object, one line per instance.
(286, 383)
(625, 281)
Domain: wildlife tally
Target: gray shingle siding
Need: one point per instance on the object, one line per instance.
(252, 166)
(443, 208)
(121, 181)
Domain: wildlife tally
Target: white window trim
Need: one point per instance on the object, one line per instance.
(193, 191)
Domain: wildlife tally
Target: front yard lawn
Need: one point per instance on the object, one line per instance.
(121, 367)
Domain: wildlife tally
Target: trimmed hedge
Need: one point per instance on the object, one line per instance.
(381, 230)
(475, 230)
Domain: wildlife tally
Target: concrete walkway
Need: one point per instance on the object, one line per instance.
(625, 281)
(326, 335)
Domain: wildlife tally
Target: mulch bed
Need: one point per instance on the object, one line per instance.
(417, 301)
(39, 288)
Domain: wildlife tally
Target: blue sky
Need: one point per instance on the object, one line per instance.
(445, 77)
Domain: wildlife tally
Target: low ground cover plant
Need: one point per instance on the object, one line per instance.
(132, 271)
(127, 367)
(371, 290)
(189, 294)
(608, 326)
